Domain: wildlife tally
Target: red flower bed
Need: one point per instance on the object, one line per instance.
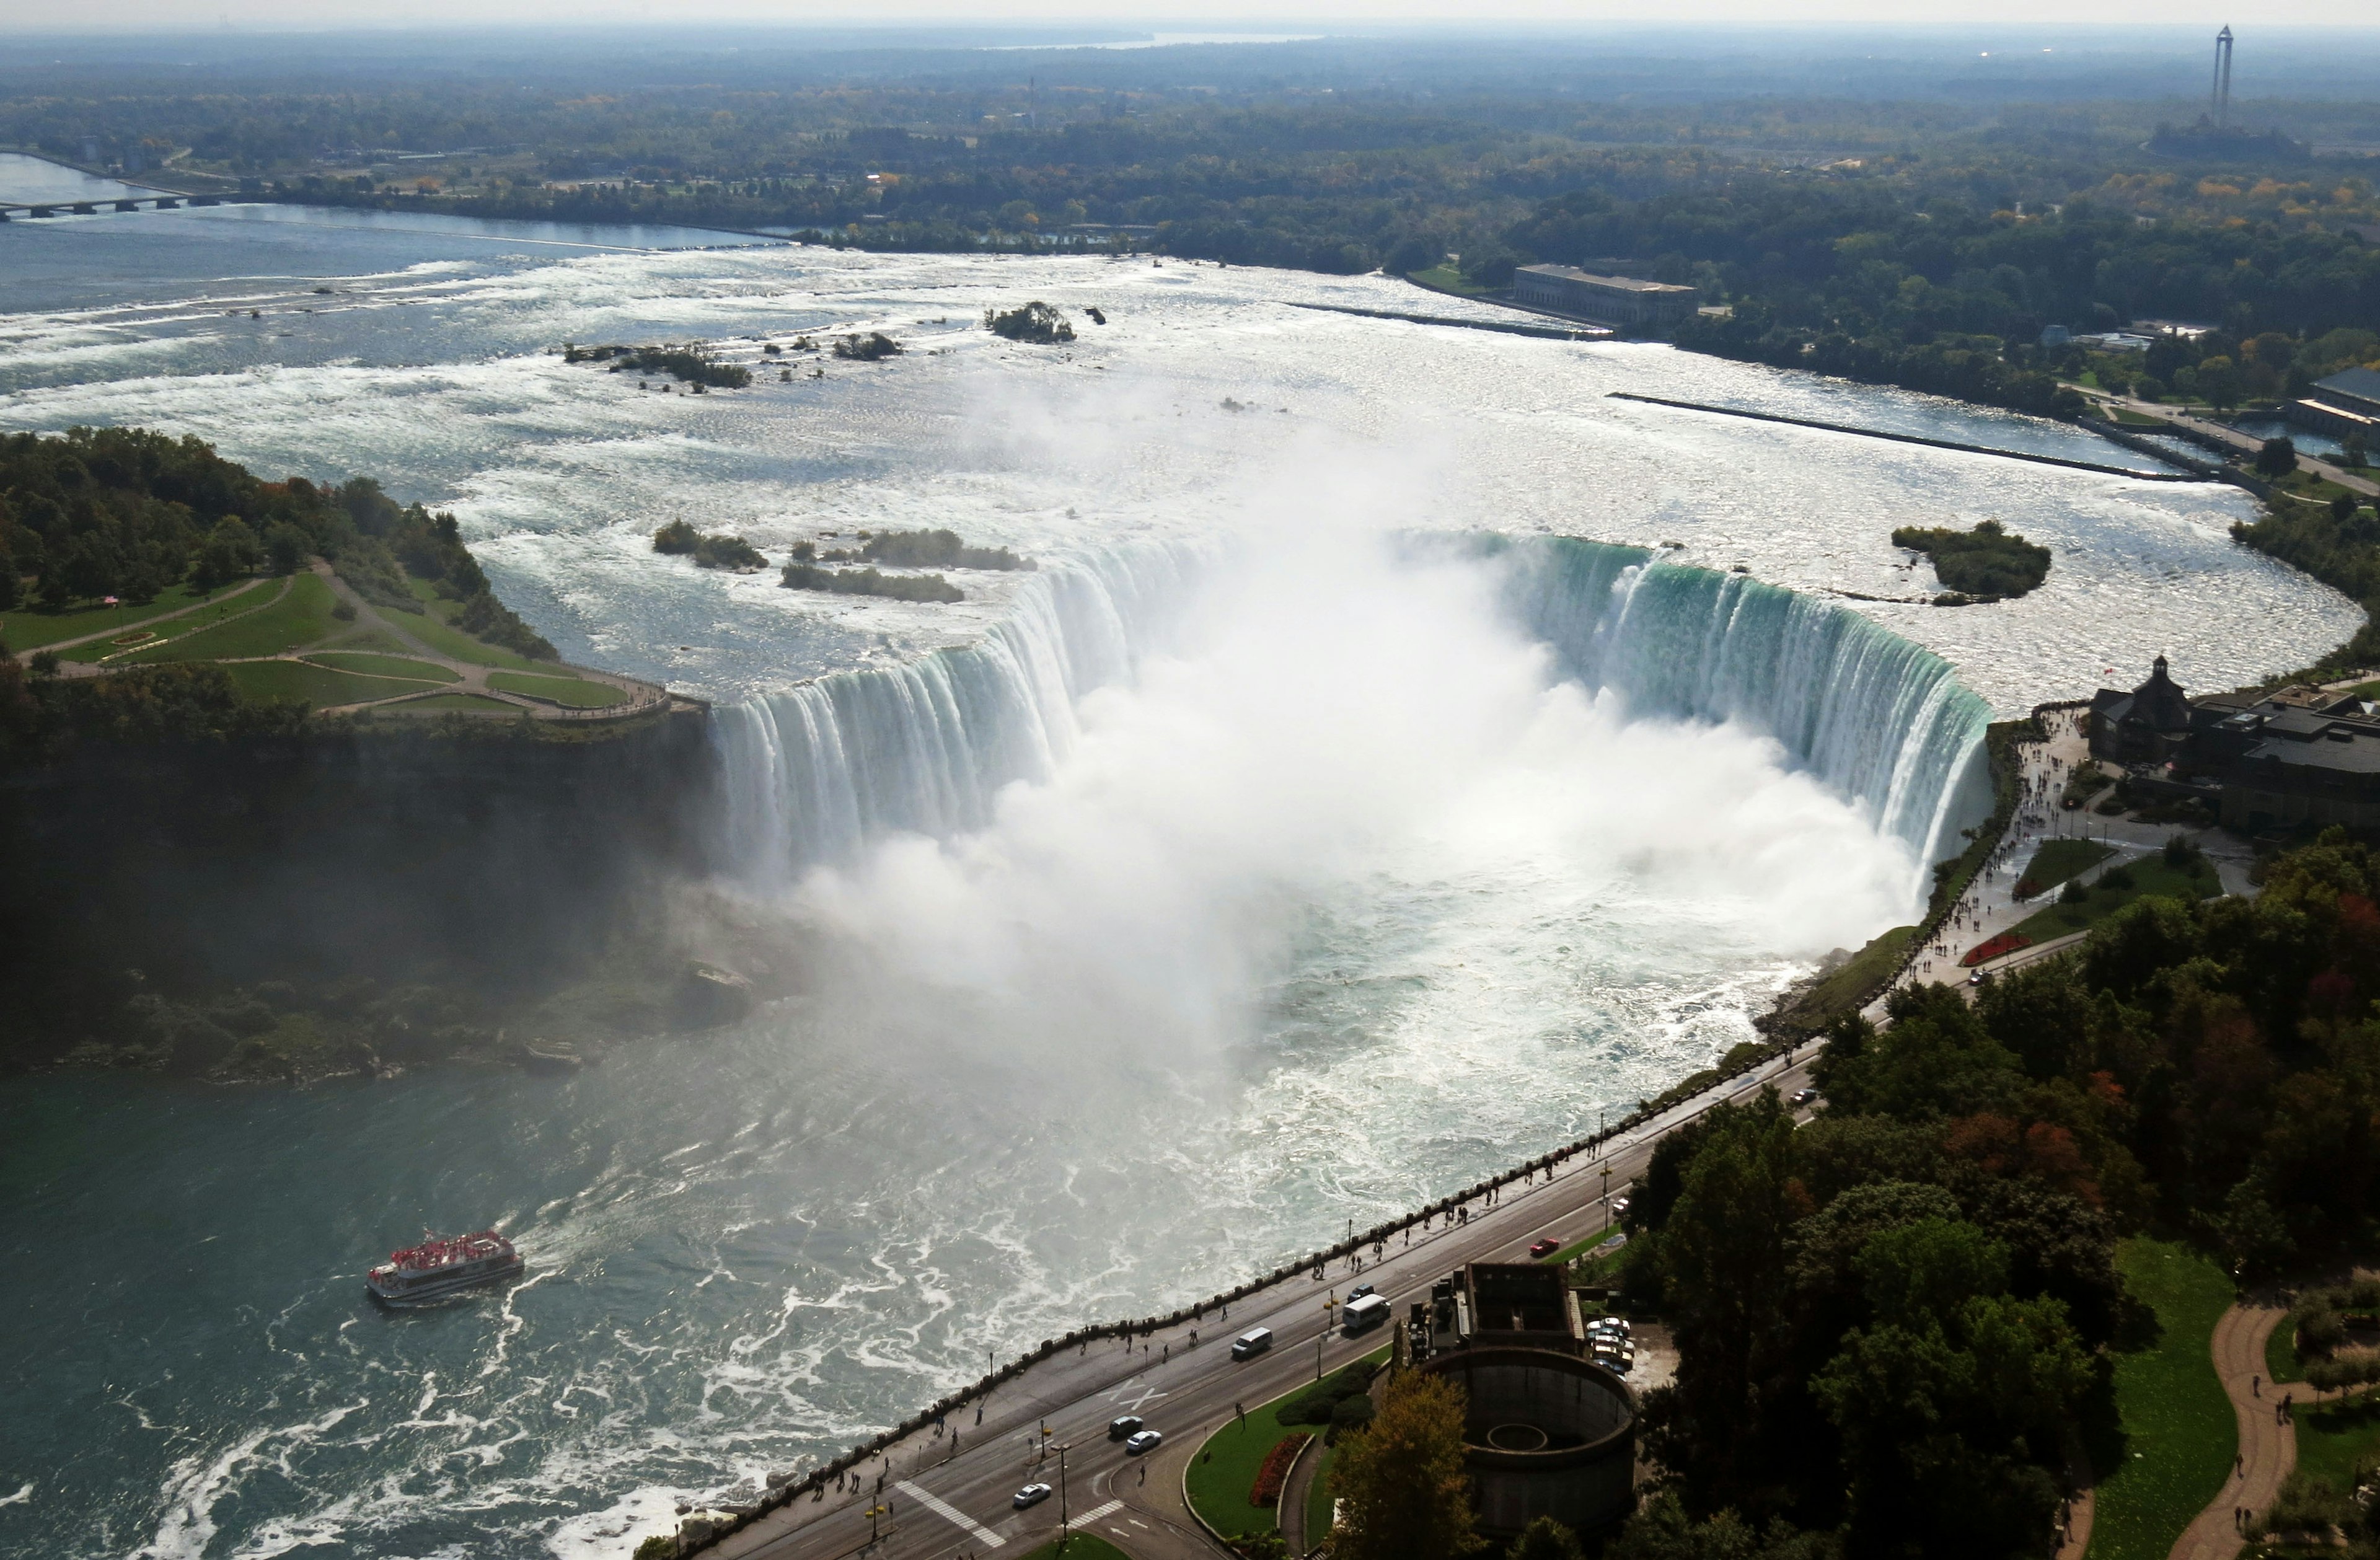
(2006, 943)
(1275, 1471)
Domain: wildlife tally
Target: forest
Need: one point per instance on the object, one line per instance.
(1889, 1319)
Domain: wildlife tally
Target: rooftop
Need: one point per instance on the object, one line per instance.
(2361, 383)
(1626, 284)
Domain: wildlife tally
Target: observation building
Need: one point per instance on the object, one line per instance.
(2293, 757)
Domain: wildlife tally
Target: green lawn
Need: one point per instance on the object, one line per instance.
(299, 618)
(1446, 279)
(2127, 417)
(2179, 1435)
(30, 629)
(2333, 1438)
(2150, 876)
(2059, 859)
(466, 701)
(2281, 1361)
(285, 682)
(1318, 1497)
(1078, 1546)
(1225, 1468)
(433, 629)
(576, 692)
(384, 665)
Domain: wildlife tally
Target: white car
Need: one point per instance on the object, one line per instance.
(1147, 1440)
(1032, 1494)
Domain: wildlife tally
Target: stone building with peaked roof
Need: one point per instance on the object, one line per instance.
(2146, 725)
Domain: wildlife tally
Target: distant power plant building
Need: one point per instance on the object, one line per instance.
(1606, 300)
(1547, 1430)
(2343, 404)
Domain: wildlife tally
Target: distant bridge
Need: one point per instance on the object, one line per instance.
(15, 211)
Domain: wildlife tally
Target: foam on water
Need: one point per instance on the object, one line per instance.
(1250, 847)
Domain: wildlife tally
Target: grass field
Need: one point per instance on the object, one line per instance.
(1446, 279)
(1318, 1497)
(2333, 1438)
(2059, 859)
(371, 665)
(30, 630)
(1078, 1546)
(576, 692)
(300, 618)
(2281, 1361)
(2180, 1433)
(2150, 876)
(1225, 1468)
(433, 629)
(295, 682)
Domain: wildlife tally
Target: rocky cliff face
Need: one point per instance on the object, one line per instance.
(334, 863)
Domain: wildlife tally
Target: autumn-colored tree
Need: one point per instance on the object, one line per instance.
(1401, 1484)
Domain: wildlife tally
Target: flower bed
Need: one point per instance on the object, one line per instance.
(2006, 943)
(1275, 1471)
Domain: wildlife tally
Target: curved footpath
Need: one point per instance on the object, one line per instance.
(2269, 1448)
(947, 1494)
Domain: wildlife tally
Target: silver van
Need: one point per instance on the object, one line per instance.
(1255, 1341)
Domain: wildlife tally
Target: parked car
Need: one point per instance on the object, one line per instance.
(1359, 1291)
(1127, 1425)
(1252, 1342)
(1805, 1096)
(1544, 1248)
(1147, 1440)
(1032, 1494)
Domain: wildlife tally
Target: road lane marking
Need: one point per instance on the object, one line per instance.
(943, 1509)
(1146, 1393)
(1095, 1513)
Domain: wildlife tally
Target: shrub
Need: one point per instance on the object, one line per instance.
(800, 576)
(936, 549)
(2073, 893)
(1275, 1471)
(873, 348)
(1036, 322)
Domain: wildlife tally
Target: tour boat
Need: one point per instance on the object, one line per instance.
(438, 1267)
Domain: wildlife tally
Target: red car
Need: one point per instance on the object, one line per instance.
(1544, 1248)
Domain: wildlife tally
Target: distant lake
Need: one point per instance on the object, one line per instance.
(24, 178)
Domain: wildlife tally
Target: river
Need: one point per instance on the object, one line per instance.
(1267, 864)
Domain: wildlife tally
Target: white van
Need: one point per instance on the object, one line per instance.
(1364, 1310)
(1255, 1341)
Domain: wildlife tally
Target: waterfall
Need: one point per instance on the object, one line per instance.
(1881, 720)
(817, 772)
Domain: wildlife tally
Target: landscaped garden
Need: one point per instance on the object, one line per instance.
(2173, 874)
(1224, 1479)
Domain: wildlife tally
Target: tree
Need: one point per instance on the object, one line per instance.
(1662, 1531)
(2277, 458)
(230, 551)
(2220, 381)
(1546, 1539)
(285, 547)
(11, 585)
(1403, 1491)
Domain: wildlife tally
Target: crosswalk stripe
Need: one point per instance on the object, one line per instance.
(943, 1509)
(1095, 1513)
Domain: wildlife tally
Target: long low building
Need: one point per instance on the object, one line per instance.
(2343, 404)
(1607, 300)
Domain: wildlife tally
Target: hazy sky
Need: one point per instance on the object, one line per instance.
(1238, 16)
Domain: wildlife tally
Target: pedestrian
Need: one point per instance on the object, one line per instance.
(2255, 1386)
(1143, 1473)
(1168, 1354)
(1241, 1413)
(978, 1407)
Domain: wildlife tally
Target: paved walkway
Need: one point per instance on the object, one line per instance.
(92, 668)
(2244, 444)
(2269, 1448)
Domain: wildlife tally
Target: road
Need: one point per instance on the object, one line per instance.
(2239, 443)
(949, 1497)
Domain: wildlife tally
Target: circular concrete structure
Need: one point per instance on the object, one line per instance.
(1548, 1434)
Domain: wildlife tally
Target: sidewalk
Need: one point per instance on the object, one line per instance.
(2269, 1448)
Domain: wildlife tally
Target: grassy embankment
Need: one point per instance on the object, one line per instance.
(1225, 1471)
(1447, 279)
(31, 628)
(2179, 1435)
(2150, 875)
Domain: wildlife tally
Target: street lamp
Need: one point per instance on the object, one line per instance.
(1064, 1527)
(1328, 1302)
